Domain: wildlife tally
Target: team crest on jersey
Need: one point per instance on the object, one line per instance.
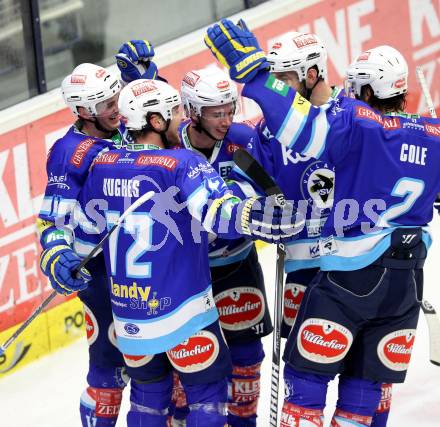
(240, 308)
(92, 328)
(137, 361)
(394, 350)
(201, 168)
(317, 186)
(336, 108)
(323, 341)
(196, 353)
(293, 295)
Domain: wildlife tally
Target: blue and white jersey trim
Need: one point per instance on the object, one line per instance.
(358, 252)
(320, 129)
(83, 248)
(151, 346)
(162, 333)
(302, 254)
(56, 207)
(291, 128)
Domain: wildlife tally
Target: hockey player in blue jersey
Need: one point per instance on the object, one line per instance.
(361, 312)
(300, 61)
(165, 315)
(91, 92)
(244, 314)
(210, 100)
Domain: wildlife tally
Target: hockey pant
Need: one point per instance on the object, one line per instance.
(204, 379)
(305, 397)
(243, 387)
(294, 289)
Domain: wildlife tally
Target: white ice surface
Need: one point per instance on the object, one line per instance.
(46, 392)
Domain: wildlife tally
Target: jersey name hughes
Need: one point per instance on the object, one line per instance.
(120, 187)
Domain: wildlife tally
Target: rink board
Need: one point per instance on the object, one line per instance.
(51, 330)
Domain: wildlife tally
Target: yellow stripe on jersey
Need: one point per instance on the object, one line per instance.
(301, 105)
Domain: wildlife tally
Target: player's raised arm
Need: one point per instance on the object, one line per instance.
(294, 122)
(134, 60)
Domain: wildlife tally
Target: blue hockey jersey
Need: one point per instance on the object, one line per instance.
(157, 260)
(67, 168)
(239, 135)
(306, 181)
(386, 167)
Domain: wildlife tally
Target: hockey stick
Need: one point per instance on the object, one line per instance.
(256, 172)
(428, 310)
(53, 294)
(424, 86)
(433, 323)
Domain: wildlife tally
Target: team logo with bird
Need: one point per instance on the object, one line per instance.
(317, 186)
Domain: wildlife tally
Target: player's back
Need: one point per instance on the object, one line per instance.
(388, 160)
(157, 259)
(387, 175)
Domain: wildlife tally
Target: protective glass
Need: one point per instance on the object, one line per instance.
(107, 107)
(220, 113)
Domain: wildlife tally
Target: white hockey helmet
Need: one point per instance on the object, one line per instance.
(298, 52)
(383, 68)
(208, 87)
(87, 86)
(143, 96)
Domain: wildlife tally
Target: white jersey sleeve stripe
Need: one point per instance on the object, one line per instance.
(291, 127)
(320, 128)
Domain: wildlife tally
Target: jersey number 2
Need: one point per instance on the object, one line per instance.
(409, 188)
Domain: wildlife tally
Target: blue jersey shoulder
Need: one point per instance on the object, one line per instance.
(75, 150)
(240, 134)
